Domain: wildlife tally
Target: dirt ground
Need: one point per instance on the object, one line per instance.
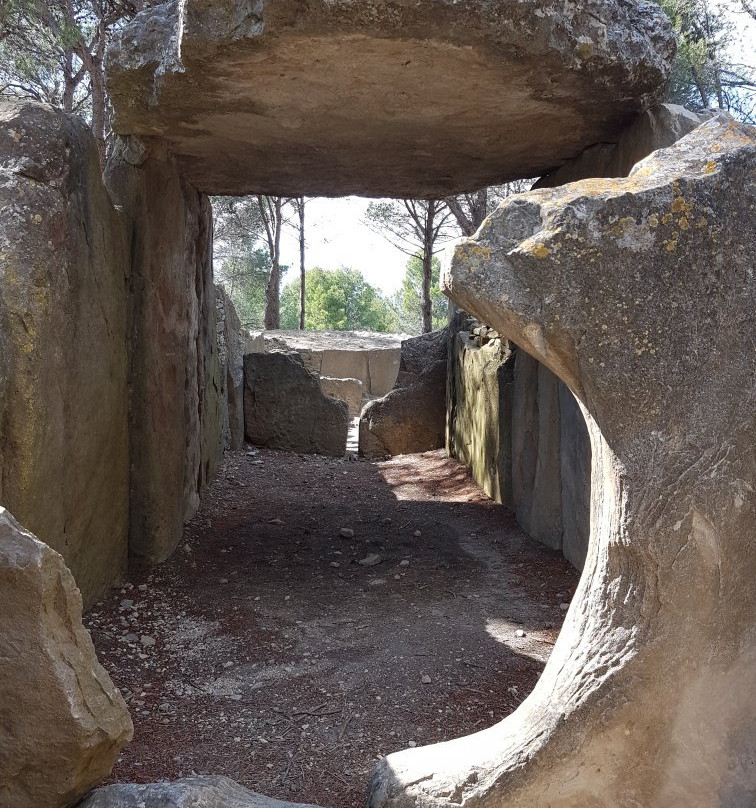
(276, 651)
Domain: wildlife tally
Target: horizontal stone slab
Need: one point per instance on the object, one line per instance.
(419, 98)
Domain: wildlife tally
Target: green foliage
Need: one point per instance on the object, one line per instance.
(244, 275)
(703, 73)
(408, 300)
(336, 300)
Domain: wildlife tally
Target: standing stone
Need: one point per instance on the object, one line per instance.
(63, 344)
(231, 356)
(412, 417)
(189, 792)
(536, 467)
(284, 407)
(62, 722)
(176, 415)
(575, 462)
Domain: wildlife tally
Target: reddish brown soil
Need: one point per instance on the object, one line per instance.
(283, 663)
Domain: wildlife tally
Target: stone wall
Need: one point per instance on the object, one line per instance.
(517, 427)
(176, 404)
(520, 431)
(113, 398)
(64, 454)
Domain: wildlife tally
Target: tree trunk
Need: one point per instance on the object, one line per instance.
(301, 207)
(428, 239)
(273, 291)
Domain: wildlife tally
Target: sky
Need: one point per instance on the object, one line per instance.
(337, 236)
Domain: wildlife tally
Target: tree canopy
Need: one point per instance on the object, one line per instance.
(337, 300)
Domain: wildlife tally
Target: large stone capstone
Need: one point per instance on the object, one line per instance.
(413, 98)
(62, 721)
(639, 294)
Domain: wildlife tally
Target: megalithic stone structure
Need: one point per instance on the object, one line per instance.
(639, 294)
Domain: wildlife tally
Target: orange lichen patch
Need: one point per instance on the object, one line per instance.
(539, 250)
(679, 205)
(710, 167)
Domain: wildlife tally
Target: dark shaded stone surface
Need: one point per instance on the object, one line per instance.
(284, 407)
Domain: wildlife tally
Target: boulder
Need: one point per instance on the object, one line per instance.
(638, 293)
(62, 722)
(347, 390)
(176, 406)
(284, 407)
(189, 792)
(335, 97)
(64, 455)
(412, 417)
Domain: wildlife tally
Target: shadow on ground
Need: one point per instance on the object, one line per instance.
(264, 650)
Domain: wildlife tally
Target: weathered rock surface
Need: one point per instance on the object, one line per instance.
(656, 128)
(347, 390)
(231, 344)
(479, 422)
(189, 792)
(337, 97)
(638, 293)
(63, 358)
(284, 407)
(370, 357)
(62, 722)
(177, 410)
(412, 417)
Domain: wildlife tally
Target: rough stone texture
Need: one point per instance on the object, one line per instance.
(231, 356)
(479, 426)
(347, 390)
(575, 462)
(370, 357)
(638, 294)
(536, 467)
(284, 407)
(62, 722)
(412, 417)
(656, 128)
(274, 97)
(176, 412)
(189, 792)
(63, 359)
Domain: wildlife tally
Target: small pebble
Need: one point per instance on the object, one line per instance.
(404, 562)
(146, 640)
(346, 533)
(142, 587)
(417, 533)
(426, 680)
(370, 560)
(275, 521)
(564, 606)
(519, 633)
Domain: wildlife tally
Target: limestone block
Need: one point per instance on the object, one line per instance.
(638, 293)
(284, 407)
(383, 367)
(345, 364)
(655, 128)
(189, 792)
(575, 462)
(412, 417)
(176, 415)
(480, 430)
(536, 467)
(372, 98)
(347, 390)
(62, 722)
(64, 461)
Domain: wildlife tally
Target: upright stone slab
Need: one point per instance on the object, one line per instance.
(575, 463)
(480, 430)
(63, 344)
(231, 354)
(176, 415)
(284, 407)
(638, 293)
(62, 722)
(536, 466)
(409, 99)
